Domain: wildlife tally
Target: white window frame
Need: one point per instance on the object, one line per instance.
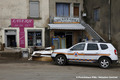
(35, 29)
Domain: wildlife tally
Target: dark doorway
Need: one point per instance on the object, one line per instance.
(68, 41)
(11, 41)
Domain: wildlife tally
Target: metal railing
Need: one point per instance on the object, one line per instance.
(92, 32)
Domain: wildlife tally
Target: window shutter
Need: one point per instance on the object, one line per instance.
(76, 11)
(34, 9)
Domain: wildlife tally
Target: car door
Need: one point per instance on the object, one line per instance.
(91, 52)
(76, 52)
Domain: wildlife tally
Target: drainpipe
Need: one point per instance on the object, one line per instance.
(110, 21)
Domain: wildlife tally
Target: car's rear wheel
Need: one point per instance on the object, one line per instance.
(61, 60)
(104, 63)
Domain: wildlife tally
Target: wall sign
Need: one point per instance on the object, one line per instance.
(66, 20)
(22, 23)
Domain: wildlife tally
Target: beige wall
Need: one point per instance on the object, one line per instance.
(19, 9)
(12, 9)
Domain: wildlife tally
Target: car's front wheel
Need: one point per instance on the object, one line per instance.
(61, 60)
(104, 63)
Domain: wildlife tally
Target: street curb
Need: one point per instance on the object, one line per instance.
(118, 60)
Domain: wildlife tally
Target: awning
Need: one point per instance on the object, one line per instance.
(67, 26)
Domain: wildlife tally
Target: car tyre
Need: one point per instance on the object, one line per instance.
(104, 63)
(60, 60)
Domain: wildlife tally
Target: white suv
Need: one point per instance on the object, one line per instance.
(103, 53)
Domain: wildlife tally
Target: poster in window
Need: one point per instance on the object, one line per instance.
(39, 42)
(63, 43)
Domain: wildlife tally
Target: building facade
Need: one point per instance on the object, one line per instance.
(65, 27)
(41, 23)
(103, 16)
(16, 18)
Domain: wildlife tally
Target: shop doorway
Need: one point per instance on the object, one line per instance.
(64, 38)
(11, 41)
(10, 38)
(68, 41)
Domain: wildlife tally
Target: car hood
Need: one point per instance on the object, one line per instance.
(61, 50)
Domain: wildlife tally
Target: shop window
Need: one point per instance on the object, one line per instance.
(76, 10)
(34, 39)
(34, 9)
(96, 14)
(63, 9)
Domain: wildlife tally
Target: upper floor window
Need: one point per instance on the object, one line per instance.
(34, 9)
(96, 14)
(63, 9)
(76, 9)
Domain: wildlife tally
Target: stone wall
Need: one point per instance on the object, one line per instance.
(102, 26)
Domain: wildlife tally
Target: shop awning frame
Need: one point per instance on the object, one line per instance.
(66, 26)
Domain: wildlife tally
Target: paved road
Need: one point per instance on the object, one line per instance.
(33, 70)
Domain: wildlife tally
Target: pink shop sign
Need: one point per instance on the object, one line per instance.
(22, 22)
(22, 39)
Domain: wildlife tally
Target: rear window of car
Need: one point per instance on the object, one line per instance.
(92, 47)
(103, 46)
